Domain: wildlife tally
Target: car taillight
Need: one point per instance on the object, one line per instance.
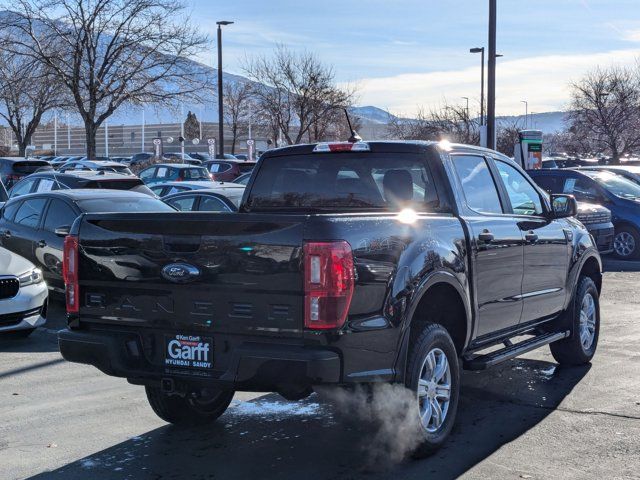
(70, 273)
(328, 284)
(179, 179)
(325, 147)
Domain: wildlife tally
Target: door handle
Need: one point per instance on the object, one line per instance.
(42, 244)
(486, 236)
(531, 237)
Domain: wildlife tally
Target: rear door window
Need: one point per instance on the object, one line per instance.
(212, 204)
(30, 212)
(219, 167)
(478, 186)
(46, 185)
(184, 204)
(59, 214)
(195, 174)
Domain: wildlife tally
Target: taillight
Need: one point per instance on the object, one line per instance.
(70, 273)
(179, 179)
(325, 147)
(328, 284)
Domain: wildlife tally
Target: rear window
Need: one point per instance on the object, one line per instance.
(28, 167)
(124, 184)
(124, 205)
(343, 181)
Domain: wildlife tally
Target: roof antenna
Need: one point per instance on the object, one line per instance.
(354, 135)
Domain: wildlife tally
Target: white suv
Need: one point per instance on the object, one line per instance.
(23, 295)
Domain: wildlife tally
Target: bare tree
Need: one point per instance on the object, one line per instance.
(110, 52)
(238, 102)
(507, 136)
(450, 122)
(28, 90)
(605, 105)
(293, 92)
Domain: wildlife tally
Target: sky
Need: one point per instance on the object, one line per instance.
(403, 55)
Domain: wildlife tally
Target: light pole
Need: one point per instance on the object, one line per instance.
(467, 99)
(220, 109)
(480, 50)
(491, 77)
(526, 113)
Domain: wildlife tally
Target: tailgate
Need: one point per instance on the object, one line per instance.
(224, 273)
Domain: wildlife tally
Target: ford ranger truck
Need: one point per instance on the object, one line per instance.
(347, 263)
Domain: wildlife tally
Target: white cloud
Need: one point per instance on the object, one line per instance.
(542, 81)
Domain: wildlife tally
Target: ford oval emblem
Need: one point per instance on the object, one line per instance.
(180, 272)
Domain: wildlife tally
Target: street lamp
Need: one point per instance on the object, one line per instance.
(220, 108)
(526, 112)
(467, 99)
(481, 51)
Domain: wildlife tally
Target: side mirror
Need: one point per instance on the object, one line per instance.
(62, 231)
(563, 206)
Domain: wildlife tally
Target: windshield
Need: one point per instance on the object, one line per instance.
(124, 205)
(330, 182)
(616, 184)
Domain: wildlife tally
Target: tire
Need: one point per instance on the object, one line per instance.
(433, 340)
(185, 411)
(626, 242)
(583, 319)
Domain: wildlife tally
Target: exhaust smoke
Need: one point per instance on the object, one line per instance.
(389, 410)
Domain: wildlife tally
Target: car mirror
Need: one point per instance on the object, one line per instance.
(62, 231)
(563, 206)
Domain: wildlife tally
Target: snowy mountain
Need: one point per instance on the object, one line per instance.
(371, 114)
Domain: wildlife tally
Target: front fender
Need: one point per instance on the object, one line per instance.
(583, 248)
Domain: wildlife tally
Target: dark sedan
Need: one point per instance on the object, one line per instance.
(34, 226)
(12, 170)
(210, 200)
(49, 181)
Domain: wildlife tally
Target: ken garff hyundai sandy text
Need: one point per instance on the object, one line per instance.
(347, 263)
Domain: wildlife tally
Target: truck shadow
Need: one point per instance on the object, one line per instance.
(269, 437)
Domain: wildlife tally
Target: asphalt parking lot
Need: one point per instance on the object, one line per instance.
(525, 419)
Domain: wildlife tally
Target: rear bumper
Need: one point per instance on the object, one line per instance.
(246, 365)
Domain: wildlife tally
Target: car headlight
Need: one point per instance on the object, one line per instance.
(31, 277)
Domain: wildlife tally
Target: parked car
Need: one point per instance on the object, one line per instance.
(346, 264)
(34, 226)
(140, 158)
(125, 160)
(51, 180)
(174, 172)
(12, 170)
(57, 162)
(618, 194)
(222, 199)
(186, 158)
(203, 157)
(4, 196)
(228, 170)
(549, 163)
(630, 172)
(96, 166)
(597, 219)
(168, 188)
(241, 156)
(243, 179)
(23, 295)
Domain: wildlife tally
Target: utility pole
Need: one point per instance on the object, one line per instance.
(220, 99)
(106, 138)
(526, 113)
(55, 133)
(142, 133)
(491, 80)
(68, 134)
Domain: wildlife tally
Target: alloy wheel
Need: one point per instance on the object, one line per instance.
(587, 321)
(624, 244)
(434, 390)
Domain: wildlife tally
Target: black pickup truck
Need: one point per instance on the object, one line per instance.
(348, 263)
